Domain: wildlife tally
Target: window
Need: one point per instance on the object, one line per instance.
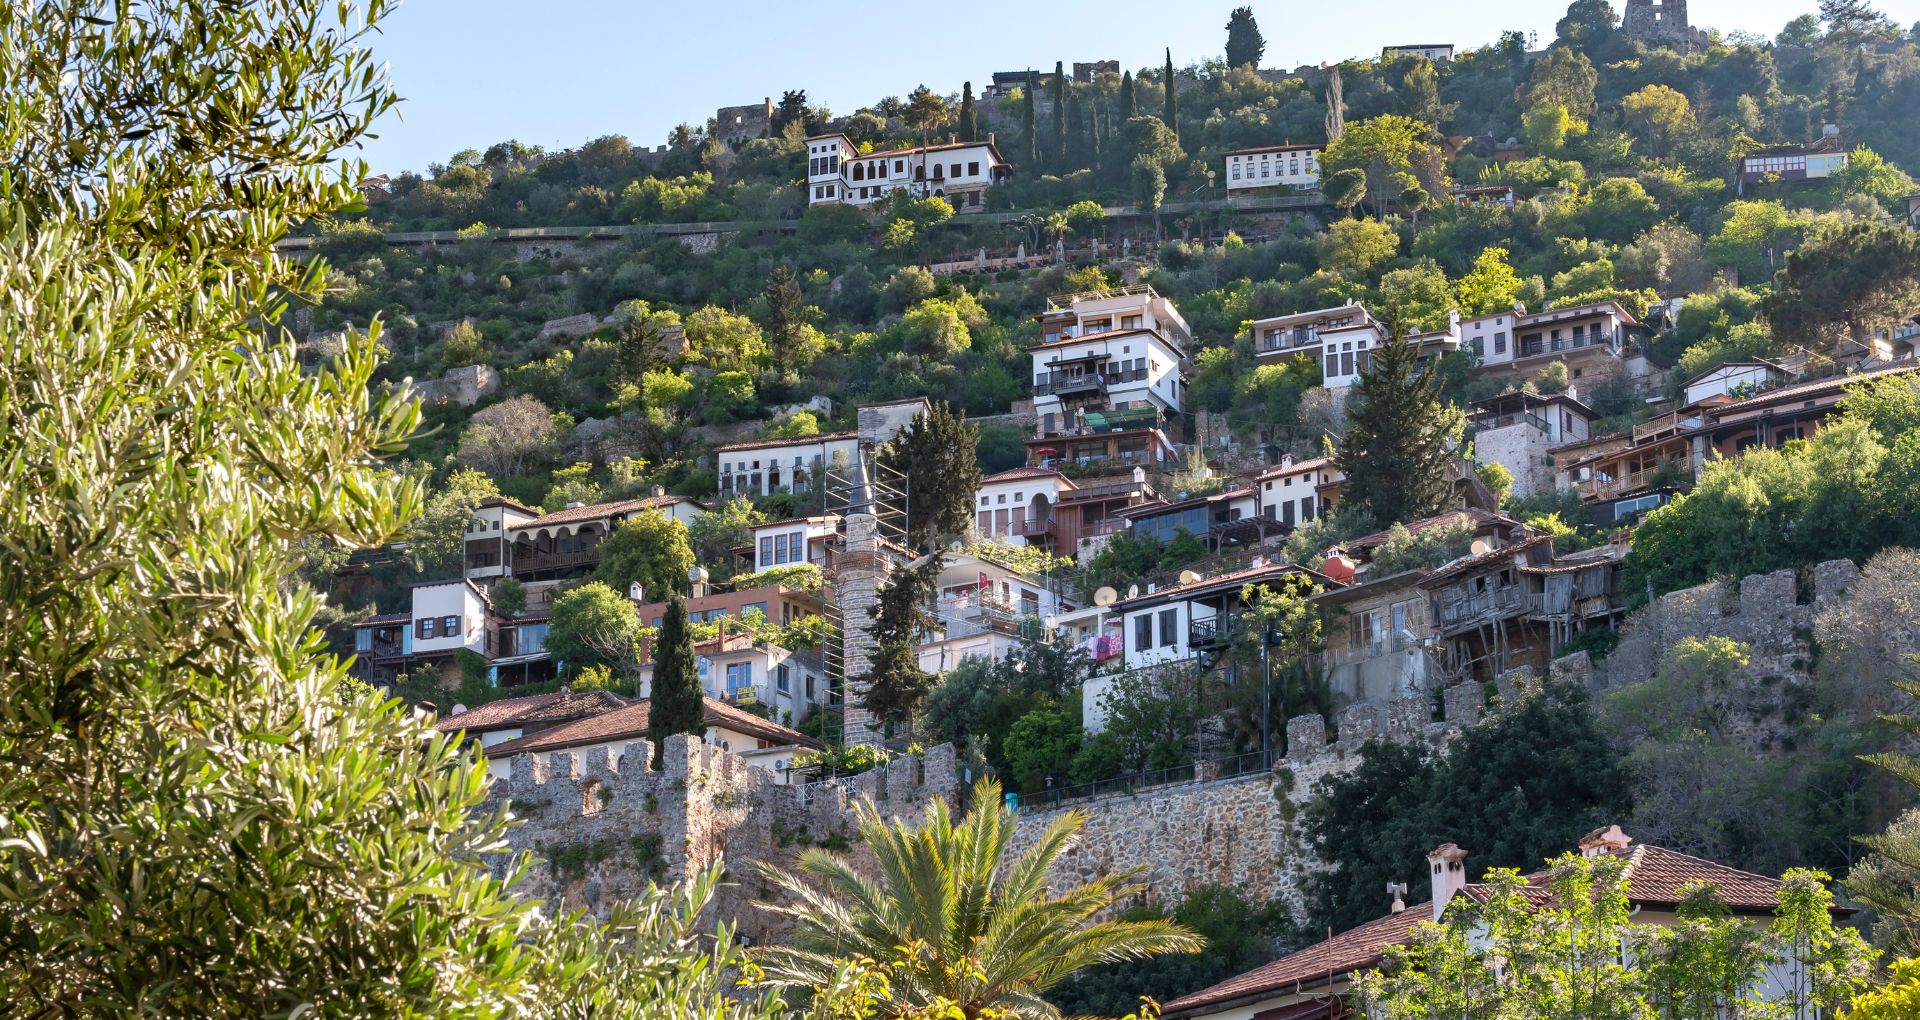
(1169, 627)
(973, 169)
(1143, 632)
(956, 171)
(1306, 508)
(449, 626)
(752, 606)
(739, 677)
(425, 628)
(1499, 343)
(1479, 348)
(781, 677)
(809, 688)
(766, 550)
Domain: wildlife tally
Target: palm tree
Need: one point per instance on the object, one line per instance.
(952, 921)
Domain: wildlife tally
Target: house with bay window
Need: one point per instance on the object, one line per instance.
(1294, 167)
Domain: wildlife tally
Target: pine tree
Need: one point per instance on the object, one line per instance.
(1172, 116)
(1079, 144)
(1129, 106)
(894, 686)
(1060, 113)
(1395, 452)
(969, 117)
(1026, 120)
(786, 318)
(936, 453)
(1245, 44)
(676, 704)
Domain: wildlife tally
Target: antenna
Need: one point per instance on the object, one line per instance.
(1106, 596)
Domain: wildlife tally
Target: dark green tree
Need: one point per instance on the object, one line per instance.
(1241, 934)
(1129, 104)
(1512, 792)
(1059, 97)
(648, 549)
(675, 703)
(792, 108)
(937, 454)
(1027, 126)
(1245, 44)
(1591, 26)
(894, 686)
(1889, 882)
(1395, 451)
(637, 349)
(1845, 284)
(969, 117)
(786, 318)
(1172, 114)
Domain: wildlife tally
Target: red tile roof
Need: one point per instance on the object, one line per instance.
(1111, 334)
(1838, 382)
(1477, 517)
(511, 712)
(1223, 582)
(1656, 877)
(631, 723)
(598, 510)
(1016, 474)
(1281, 470)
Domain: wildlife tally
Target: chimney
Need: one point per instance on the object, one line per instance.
(1601, 842)
(659, 490)
(1449, 871)
(1398, 890)
(574, 504)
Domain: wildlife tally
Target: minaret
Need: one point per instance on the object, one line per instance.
(859, 569)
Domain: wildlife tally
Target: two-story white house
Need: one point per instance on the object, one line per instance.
(762, 467)
(1177, 622)
(1590, 338)
(1295, 492)
(838, 173)
(983, 607)
(1341, 340)
(489, 549)
(1016, 506)
(1296, 167)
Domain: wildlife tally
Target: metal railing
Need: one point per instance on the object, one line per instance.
(1062, 383)
(1204, 770)
(554, 561)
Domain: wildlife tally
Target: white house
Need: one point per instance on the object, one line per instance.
(1016, 506)
(497, 722)
(762, 467)
(1178, 622)
(1590, 338)
(1439, 53)
(448, 616)
(1119, 370)
(1137, 306)
(1734, 379)
(738, 669)
(1295, 492)
(489, 547)
(1341, 340)
(960, 172)
(1272, 166)
(794, 540)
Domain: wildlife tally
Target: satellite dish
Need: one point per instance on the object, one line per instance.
(698, 575)
(1189, 576)
(955, 546)
(1133, 591)
(1105, 597)
(1480, 547)
(458, 708)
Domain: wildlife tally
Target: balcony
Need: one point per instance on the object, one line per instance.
(530, 562)
(1535, 347)
(1672, 422)
(1031, 527)
(1061, 384)
(1289, 340)
(1211, 633)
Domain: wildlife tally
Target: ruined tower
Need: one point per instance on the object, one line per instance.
(1659, 23)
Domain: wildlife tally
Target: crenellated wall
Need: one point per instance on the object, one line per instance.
(603, 824)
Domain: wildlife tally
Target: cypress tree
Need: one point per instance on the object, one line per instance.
(894, 686)
(1245, 44)
(1060, 112)
(1129, 108)
(786, 317)
(1395, 451)
(676, 703)
(1026, 120)
(969, 117)
(1173, 110)
(1080, 144)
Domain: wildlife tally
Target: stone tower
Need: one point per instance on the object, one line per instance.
(1659, 23)
(859, 570)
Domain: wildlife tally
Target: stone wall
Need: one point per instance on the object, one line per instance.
(1764, 611)
(603, 824)
(1240, 831)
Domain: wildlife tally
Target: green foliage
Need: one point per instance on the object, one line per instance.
(649, 549)
(1040, 747)
(958, 918)
(937, 453)
(1847, 282)
(1245, 44)
(894, 685)
(1523, 785)
(1492, 286)
(437, 540)
(594, 625)
(1430, 547)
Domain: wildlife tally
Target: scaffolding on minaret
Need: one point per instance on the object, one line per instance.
(870, 498)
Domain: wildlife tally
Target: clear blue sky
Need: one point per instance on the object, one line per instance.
(559, 72)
